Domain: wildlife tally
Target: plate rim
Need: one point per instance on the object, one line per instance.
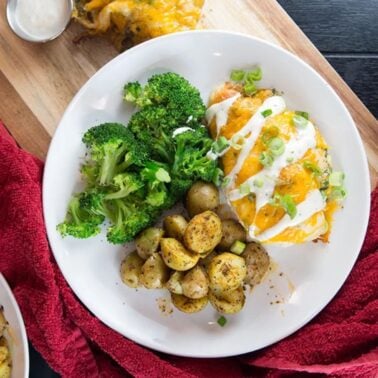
(21, 324)
(149, 343)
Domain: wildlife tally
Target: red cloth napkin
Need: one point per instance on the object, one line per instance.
(342, 341)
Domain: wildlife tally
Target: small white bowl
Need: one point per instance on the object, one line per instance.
(20, 32)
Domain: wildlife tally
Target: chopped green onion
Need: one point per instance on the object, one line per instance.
(266, 113)
(312, 167)
(266, 159)
(254, 75)
(162, 175)
(290, 159)
(302, 114)
(225, 182)
(299, 121)
(286, 201)
(289, 205)
(336, 178)
(323, 192)
(237, 142)
(250, 89)
(259, 183)
(222, 321)
(217, 178)
(237, 247)
(338, 193)
(220, 145)
(244, 188)
(269, 133)
(276, 146)
(237, 75)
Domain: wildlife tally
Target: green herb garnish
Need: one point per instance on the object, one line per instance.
(276, 146)
(220, 145)
(266, 113)
(286, 201)
(312, 167)
(258, 183)
(250, 89)
(255, 75)
(237, 75)
(222, 321)
(338, 193)
(244, 188)
(302, 114)
(299, 121)
(336, 178)
(237, 247)
(266, 159)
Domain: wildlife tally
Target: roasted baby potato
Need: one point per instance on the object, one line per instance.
(203, 233)
(231, 232)
(224, 211)
(229, 302)
(175, 226)
(130, 269)
(174, 284)
(188, 305)
(226, 272)
(201, 196)
(176, 256)
(148, 241)
(154, 273)
(257, 262)
(195, 283)
(206, 260)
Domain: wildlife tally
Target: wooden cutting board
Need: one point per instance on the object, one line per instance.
(37, 81)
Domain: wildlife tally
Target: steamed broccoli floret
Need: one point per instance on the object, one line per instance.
(157, 176)
(191, 161)
(128, 220)
(113, 148)
(173, 92)
(125, 183)
(84, 216)
(167, 102)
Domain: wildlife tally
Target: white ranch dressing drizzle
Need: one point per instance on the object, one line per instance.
(277, 105)
(181, 130)
(295, 149)
(313, 203)
(42, 19)
(220, 112)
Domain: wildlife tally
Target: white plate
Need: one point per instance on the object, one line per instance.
(16, 333)
(316, 271)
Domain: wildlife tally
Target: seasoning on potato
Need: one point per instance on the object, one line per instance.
(257, 262)
(229, 302)
(201, 196)
(203, 233)
(148, 241)
(188, 305)
(195, 283)
(174, 284)
(131, 268)
(202, 259)
(176, 256)
(226, 272)
(154, 273)
(175, 226)
(232, 231)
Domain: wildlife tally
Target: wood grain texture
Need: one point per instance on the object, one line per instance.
(46, 77)
(361, 74)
